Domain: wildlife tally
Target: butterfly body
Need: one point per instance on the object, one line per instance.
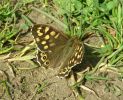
(57, 50)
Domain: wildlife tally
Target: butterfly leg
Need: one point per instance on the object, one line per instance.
(77, 86)
(72, 83)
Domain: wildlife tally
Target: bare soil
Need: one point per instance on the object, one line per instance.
(23, 83)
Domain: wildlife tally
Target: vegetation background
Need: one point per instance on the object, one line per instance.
(98, 23)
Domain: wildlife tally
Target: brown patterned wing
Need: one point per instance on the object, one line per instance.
(65, 58)
(57, 50)
(49, 43)
(73, 57)
(47, 37)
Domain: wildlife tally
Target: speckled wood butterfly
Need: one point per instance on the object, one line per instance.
(56, 49)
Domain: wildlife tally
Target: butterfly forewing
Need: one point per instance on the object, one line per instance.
(47, 37)
(57, 50)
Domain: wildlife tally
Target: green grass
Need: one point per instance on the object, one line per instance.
(103, 18)
(5, 85)
(83, 18)
(8, 29)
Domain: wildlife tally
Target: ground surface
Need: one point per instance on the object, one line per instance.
(23, 83)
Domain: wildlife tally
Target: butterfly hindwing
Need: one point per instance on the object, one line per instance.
(75, 58)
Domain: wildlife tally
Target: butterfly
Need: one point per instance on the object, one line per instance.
(56, 49)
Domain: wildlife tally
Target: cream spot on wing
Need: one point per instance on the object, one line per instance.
(56, 36)
(52, 44)
(75, 62)
(39, 28)
(81, 53)
(64, 70)
(52, 33)
(37, 39)
(42, 53)
(76, 54)
(80, 49)
(43, 42)
(39, 33)
(72, 60)
(77, 48)
(47, 37)
(46, 29)
(46, 47)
